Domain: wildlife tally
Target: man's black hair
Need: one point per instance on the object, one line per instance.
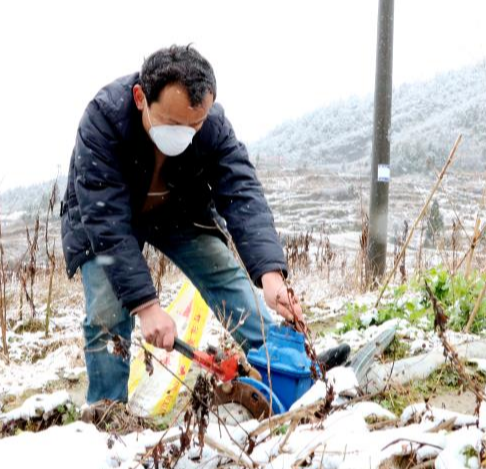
(178, 64)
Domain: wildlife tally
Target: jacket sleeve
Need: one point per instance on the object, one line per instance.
(239, 198)
(104, 203)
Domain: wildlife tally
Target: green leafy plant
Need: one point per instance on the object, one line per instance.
(399, 307)
(281, 430)
(470, 452)
(69, 413)
(457, 294)
(352, 319)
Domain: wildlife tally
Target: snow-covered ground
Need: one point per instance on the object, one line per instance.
(45, 373)
(343, 439)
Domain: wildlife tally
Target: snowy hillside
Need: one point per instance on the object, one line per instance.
(26, 201)
(426, 119)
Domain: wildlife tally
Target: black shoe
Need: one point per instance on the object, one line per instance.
(334, 356)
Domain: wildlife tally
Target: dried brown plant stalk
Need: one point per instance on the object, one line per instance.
(27, 271)
(479, 301)
(399, 241)
(161, 268)
(363, 242)
(50, 253)
(325, 254)
(3, 299)
(297, 252)
(419, 256)
(474, 242)
(454, 246)
(472, 246)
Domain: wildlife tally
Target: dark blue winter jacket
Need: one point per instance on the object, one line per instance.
(110, 174)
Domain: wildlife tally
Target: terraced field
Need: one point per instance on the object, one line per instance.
(323, 202)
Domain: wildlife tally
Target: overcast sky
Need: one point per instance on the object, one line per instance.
(274, 60)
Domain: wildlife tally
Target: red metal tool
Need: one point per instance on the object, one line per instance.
(225, 368)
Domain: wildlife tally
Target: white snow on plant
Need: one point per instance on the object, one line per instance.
(422, 412)
(78, 445)
(453, 457)
(75, 446)
(342, 441)
(341, 378)
(126, 450)
(368, 316)
(315, 393)
(372, 409)
(36, 406)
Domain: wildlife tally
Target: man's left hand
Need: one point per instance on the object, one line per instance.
(279, 298)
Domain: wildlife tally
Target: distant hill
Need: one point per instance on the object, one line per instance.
(426, 119)
(25, 202)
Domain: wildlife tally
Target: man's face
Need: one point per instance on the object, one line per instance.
(172, 108)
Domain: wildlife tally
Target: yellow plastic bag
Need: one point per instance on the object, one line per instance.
(157, 394)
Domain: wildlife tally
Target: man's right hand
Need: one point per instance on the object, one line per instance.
(158, 328)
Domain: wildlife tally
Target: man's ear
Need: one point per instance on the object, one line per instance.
(138, 97)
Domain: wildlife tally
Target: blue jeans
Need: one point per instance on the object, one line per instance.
(213, 270)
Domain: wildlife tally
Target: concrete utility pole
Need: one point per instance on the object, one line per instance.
(380, 165)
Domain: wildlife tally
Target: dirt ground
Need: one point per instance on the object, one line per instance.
(463, 402)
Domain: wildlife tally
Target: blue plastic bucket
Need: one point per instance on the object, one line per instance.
(290, 367)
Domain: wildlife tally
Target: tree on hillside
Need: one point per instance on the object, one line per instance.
(435, 224)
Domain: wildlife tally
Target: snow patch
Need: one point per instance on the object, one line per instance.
(453, 457)
(422, 413)
(36, 406)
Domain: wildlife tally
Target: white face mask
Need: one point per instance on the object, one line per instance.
(171, 140)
